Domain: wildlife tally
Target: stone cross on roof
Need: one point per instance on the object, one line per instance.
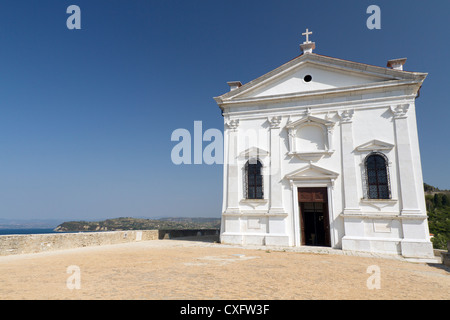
(307, 33)
(307, 46)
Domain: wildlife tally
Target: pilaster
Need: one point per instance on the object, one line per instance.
(407, 178)
(353, 225)
(232, 168)
(349, 178)
(415, 242)
(275, 195)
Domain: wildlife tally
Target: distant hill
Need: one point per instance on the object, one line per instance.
(139, 224)
(429, 189)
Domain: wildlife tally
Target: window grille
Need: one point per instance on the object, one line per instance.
(377, 177)
(254, 180)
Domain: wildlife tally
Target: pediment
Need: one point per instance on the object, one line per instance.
(374, 145)
(323, 78)
(312, 172)
(253, 152)
(309, 119)
(328, 74)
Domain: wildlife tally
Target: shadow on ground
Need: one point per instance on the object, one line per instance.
(440, 266)
(209, 238)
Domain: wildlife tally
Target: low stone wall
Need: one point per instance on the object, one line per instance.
(33, 243)
(446, 256)
(181, 233)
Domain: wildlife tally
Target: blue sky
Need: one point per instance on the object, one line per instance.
(86, 115)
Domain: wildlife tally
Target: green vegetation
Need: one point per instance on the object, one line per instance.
(140, 224)
(438, 209)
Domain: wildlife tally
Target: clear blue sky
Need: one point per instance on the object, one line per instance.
(86, 115)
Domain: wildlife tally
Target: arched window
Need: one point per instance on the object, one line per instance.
(377, 176)
(254, 179)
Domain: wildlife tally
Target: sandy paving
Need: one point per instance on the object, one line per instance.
(192, 270)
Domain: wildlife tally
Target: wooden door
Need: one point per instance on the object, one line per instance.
(314, 216)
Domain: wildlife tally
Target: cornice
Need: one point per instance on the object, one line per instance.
(323, 107)
(318, 94)
(383, 216)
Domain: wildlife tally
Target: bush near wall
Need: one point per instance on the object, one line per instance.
(438, 210)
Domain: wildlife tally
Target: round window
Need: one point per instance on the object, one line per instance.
(307, 78)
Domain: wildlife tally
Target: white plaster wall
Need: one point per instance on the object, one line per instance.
(370, 124)
(379, 228)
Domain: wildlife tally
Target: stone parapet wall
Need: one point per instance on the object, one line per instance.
(180, 233)
(33, 243)
(446, 256)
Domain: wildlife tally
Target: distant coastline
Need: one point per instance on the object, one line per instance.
(17, 227)
(128, 223)
(12, 231)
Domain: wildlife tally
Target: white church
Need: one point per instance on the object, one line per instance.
(324, 152)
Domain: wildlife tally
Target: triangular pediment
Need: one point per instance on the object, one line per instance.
(254, 152)
(322, 78)
(312, 172)
(374, 145)
(328, 74)
(309, 119)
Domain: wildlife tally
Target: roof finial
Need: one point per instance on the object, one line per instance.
(307, 33)
(307, 46)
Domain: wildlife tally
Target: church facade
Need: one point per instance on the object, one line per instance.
(324, 152)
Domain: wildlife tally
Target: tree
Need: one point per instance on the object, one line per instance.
(438, 200)
(430, 204)
(439, 224)
(438, 210)
(445, 200)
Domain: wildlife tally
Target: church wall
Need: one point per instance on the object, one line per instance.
(397, 225)
(370, 124)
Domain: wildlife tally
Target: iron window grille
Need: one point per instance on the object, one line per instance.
(377, 176)
(253, 180)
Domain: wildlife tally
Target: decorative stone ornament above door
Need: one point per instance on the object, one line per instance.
(310, 138)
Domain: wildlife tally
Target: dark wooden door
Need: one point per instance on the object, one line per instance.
(312, 195)
(314, 217)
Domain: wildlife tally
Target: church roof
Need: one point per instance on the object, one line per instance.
(328, 75)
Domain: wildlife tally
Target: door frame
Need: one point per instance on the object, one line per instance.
(326, 217)
(296, 209)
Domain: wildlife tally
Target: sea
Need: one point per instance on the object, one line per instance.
(26, 231)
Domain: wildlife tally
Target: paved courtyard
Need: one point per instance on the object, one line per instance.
(175, 269)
